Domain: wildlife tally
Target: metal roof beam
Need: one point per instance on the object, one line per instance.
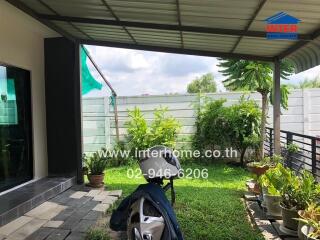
(160, 26)
(176, 50)
(255, 14)
(179, 21)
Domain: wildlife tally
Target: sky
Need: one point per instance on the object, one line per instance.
(136, 72)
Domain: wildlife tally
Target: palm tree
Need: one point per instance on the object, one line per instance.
(256, 76)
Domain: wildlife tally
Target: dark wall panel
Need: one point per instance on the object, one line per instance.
(63, 107)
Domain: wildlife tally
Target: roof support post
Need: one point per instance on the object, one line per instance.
(276, 106)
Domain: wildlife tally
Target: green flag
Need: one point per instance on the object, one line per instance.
(88, 81)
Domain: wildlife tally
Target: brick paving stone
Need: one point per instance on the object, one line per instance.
(40, 234)
(93, 193)
(70, 222)
(83, 226)
(76, 236)
(109, 200)
(44, 207)
(63, 197)
(73, 202)
(101, 196)
(62, 216)
(93, 215)
(51, 213)
(27, 229)
(78, 194)
(58, 234)
(13, 226)
(116, 193)
(101, 207)
(87, 207)
(53, 224)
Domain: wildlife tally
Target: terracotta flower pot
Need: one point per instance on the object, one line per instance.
(96, 181)
(288, 217)
(258, 170)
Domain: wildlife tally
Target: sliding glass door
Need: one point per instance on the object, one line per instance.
(16, 163)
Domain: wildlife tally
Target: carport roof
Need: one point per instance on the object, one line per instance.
(218, 28)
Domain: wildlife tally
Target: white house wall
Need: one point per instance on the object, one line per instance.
(21, 45)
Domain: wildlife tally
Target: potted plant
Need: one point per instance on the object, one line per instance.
(259, 168)
(290, 153)
(296, 193)
(95, 166)
(271, 185)
(309, 222)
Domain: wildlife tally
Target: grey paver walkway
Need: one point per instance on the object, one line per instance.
(67, 216)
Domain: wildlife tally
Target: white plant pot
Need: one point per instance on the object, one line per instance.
(273, 204)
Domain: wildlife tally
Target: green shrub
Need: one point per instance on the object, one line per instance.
(97, 234)
(235, 126)
(211, 124)
(162, 130)
(244, 121)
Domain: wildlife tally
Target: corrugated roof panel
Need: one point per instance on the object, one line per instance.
(214, 22)
(308, 11)
(147, 11)
(307, 57)
(113, 39)
(262, 47)
(160, 44)
(80, 8)
(217, 14)
(154, 34)
(222, 14)
(34, 4)
(214, 48)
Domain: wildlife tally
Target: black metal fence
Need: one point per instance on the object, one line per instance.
(307, 157)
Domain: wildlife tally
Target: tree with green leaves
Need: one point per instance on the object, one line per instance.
(203, 84)
(256, 76)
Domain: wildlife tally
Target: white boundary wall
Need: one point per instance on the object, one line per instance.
(303, 115)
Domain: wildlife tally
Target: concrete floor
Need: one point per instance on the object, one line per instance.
(68, 216)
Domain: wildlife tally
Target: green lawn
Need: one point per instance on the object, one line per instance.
(206, 208)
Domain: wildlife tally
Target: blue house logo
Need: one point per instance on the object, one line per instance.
(282, 26)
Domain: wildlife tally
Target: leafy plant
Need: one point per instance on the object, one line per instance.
(244, 120)
(163, 130)
(311, 217)
(298, 191)
(211, 126)
(267, 161)
(95, 164)
(292, 148)
(237, 126)
(138, 132)
(97, 234)
(271, 180)
(256, 76)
